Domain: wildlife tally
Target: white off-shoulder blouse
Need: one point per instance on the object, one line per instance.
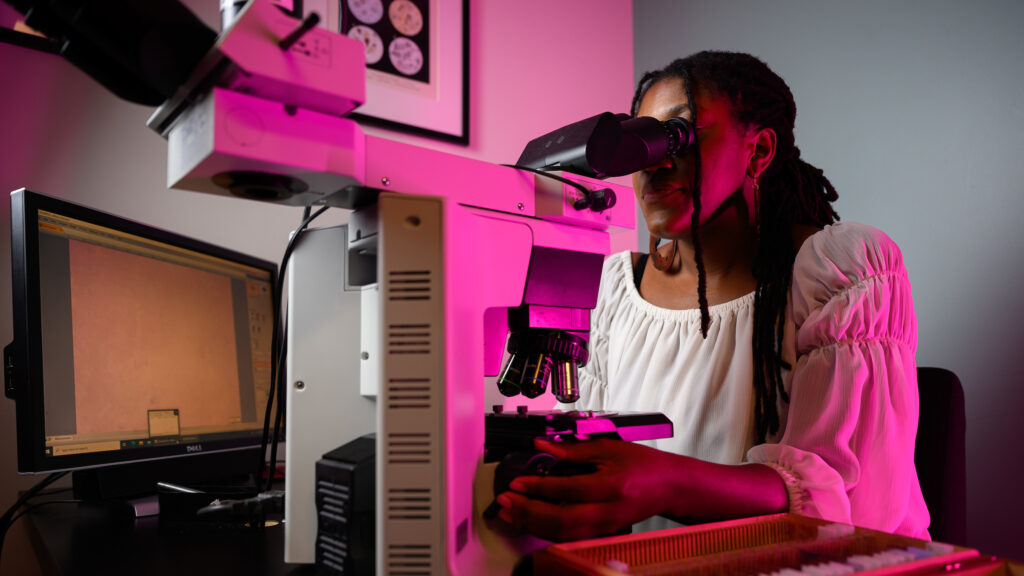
(846, 441)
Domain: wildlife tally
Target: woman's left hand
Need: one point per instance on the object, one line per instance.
(631, 483)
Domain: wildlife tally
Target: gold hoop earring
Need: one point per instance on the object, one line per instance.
(757, 210)
(660, 262)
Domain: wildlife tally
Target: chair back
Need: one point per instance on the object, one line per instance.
(940, 453)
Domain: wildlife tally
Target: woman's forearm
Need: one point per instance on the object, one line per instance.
(630, 483)
(706, 492)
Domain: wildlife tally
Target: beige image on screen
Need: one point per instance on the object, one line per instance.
(161, 337)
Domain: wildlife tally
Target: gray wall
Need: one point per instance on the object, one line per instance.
(915, 111)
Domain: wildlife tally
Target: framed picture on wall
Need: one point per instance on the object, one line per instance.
(416, 64)
(13, 30)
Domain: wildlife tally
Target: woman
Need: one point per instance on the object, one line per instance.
(779, 342)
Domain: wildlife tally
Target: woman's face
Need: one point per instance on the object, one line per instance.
(665, 189)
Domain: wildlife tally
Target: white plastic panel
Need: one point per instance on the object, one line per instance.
(327, 409)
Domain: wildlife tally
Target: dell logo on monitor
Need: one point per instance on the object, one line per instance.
(194, 448)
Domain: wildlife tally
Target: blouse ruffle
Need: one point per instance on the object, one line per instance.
(852, 420)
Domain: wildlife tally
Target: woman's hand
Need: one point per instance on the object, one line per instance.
(631, 483)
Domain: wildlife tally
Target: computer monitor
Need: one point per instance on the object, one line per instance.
(133, 344)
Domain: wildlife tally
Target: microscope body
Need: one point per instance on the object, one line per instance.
(407, 356)
(396, 319)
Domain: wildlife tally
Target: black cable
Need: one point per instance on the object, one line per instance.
(32, 507)
(9, 516)
(28, 494)
(281, 396)
(278, 350)
(273, 381)
(580, 204)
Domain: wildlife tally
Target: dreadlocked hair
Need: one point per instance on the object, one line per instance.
(792, 193)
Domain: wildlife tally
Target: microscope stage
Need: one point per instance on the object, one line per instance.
(510, 431)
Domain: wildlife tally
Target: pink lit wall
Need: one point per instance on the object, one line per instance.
(535, 65)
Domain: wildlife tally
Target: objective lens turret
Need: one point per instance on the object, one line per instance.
(539, 355)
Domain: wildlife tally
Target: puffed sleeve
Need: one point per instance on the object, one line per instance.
(847, 451)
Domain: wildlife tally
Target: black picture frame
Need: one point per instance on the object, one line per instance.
(432, 101)
(25, 40)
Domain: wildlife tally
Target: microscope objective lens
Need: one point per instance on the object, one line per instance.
(511, 375)
(564, 384)
(535, 375)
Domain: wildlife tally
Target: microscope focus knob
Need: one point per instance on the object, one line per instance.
(601, 200)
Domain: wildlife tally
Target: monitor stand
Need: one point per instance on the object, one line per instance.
(177, 483)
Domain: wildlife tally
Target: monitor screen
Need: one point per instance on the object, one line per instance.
(132, 343)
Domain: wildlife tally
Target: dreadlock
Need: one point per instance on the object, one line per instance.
(792, 192)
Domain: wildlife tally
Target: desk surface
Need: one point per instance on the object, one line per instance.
(72, 539)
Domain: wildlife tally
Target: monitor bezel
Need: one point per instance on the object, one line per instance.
(23, 359)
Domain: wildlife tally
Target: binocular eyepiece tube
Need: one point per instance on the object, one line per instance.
(609, 145)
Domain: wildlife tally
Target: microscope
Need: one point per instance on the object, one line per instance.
(399, 320)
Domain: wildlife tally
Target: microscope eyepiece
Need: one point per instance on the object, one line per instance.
(609, 145)
(680, 135)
